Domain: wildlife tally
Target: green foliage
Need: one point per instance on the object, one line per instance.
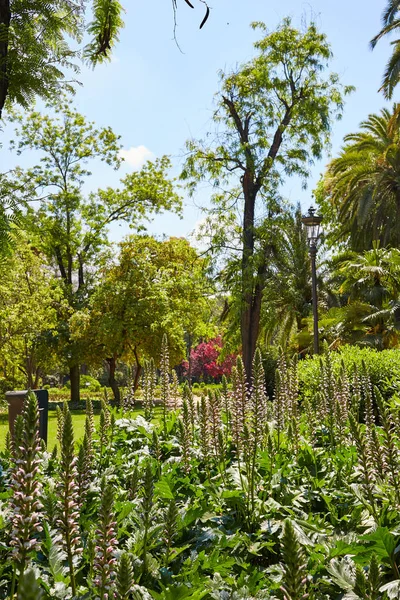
(40, 41)
(70, 229)
(124, 577)
(363, 288)
(361, 184)
(273, 118)
(390, 24)
(104, 29)
(295, 513)
(287, 297)
(294, 586)
(88, 383)
(150, 292)
(29, 296)
(383, 368)
(34, 52)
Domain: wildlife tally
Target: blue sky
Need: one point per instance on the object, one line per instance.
(156, 97)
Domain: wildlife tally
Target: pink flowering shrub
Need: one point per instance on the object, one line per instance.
(206, 363)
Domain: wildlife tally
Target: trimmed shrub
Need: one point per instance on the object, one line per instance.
(383, 368)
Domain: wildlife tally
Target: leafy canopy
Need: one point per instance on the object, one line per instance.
(280, 96)
(362, 192)
(156, 287)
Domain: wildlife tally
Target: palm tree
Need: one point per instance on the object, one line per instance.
(369, 286)
(287, 297)
(373, 276)
(390, 23)
(363, 183)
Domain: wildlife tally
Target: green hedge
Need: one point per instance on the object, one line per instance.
(383, 368)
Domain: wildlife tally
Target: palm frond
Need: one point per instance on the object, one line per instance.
(392, 72)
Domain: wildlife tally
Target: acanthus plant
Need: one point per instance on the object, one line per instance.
(104, 563)
(294, 586)
(124, 578)
(165, 382)
(26, 489)
(240, 401)
(203, 509)
(174, 392)
(149, 387)
(68, 493)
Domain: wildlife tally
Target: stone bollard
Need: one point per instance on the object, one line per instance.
(15, 402)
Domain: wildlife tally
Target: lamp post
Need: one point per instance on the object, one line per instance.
(312, 223)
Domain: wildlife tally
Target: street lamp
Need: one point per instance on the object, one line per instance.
(312, 223)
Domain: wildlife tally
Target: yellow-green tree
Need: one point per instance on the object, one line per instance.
(30, 300)
(156, 287)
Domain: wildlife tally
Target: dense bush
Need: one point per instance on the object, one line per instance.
(383, 368)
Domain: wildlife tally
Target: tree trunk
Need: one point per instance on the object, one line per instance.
(112, 364)
(75, 377)
(138, 371)
(37, 377)
(252, 287)
(249, 324)
(5, 19)
(29, 375)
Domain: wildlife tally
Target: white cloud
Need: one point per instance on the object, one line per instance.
(136, 156)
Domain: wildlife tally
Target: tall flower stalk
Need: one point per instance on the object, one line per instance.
(26, 507)
(185, 434)
(188, 397)
(125, 580)
(240, 401)
(165, 381)
(149, 386)
(390, 449)
(294, 586)
(204, 432)
(258, 402)
(68, 505)
(170, 529)
(214, 415)
(105, 545)
(146, 512)
(226, 401)
(175, 395)
(365, 462)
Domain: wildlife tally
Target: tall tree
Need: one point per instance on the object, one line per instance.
(390, 24)
(362, 185)
(70, 227)
(273, 119)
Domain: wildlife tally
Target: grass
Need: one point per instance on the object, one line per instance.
(78, 421)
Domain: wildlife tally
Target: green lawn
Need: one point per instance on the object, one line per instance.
(78, 420)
